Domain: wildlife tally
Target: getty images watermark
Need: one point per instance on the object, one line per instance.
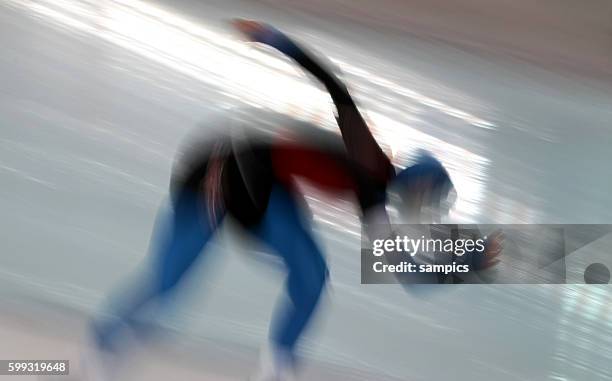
(508, 254)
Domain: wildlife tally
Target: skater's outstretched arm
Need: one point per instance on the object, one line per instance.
(359, 142)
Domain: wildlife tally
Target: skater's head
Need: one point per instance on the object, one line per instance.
(423, 192)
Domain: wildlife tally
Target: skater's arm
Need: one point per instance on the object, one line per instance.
(359, 142)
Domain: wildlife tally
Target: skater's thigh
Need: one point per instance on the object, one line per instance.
(286, 230)
(180, 236)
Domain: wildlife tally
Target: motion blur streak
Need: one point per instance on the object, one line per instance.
(96, 95)
(262, 80)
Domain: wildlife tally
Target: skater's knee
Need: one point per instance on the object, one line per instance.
(314, 285)
(167, 283)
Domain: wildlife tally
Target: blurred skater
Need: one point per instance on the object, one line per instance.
(253, 180)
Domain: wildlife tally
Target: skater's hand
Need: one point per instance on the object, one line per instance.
(255, 31)
(495, 245)
(252, 30)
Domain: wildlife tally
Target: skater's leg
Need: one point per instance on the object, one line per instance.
(283, 229)
(178, 240)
